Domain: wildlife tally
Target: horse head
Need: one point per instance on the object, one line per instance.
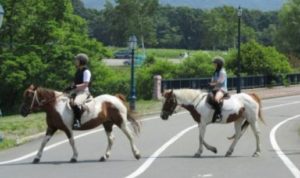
(169, 104)
(28, 100)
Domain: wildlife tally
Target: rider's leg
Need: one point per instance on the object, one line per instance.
(77, 108)
(218, 106)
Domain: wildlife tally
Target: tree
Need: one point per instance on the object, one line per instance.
(42, 46)
(288, 35)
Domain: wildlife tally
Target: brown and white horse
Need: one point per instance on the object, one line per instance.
(105, 109)
(242, 109)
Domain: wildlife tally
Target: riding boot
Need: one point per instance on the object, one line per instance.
(217, 114)
(77, 115)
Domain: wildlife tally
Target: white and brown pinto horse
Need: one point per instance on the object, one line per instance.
(242, 109)
(105, 109)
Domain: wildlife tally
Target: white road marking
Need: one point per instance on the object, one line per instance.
(289, 164)
(63, 142)
(49, 147)
(152, 158)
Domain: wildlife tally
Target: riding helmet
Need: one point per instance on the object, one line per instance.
(82, 58)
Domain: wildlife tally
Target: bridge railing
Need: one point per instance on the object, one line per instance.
(247, 82)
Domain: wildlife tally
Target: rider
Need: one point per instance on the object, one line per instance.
(219, 85)
(80, 87)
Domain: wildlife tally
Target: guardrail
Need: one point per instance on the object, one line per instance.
(247, 82)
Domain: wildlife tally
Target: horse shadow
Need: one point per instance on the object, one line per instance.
(66, 162)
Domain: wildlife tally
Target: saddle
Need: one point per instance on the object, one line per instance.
(214, 104)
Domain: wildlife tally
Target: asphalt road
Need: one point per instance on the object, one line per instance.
(167, 149)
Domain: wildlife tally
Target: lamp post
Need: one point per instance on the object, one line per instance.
(238, 88)
(132, 45)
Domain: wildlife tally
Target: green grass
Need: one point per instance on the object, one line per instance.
(16, 127)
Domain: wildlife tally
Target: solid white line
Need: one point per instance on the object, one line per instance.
(289, 164)
(152, 158)
(49, 147)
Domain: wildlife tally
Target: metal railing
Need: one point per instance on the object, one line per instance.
(247, 82)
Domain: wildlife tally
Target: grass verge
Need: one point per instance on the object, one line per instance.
(13, 128)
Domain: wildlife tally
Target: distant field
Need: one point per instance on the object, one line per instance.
(169, 53)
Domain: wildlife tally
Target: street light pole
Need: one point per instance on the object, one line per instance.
(238, 88)
(132, 46)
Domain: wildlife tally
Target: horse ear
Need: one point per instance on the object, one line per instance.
(33, 87)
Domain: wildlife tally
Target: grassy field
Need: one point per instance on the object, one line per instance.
(14, 128)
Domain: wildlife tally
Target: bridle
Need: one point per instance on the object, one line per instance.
(42, 102)
(170, 112)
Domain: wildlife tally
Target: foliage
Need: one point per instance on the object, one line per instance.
(164, 26)
(288, 34)
(41, 47)
(257, 59)
(146, 73)
(197, 66)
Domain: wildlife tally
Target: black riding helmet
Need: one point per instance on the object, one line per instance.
(82, 58)
(219, 61)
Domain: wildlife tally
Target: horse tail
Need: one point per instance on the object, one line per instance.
(130, 115)
(257, 99)
(244, 127)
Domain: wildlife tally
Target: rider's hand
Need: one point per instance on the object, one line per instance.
(69, 88)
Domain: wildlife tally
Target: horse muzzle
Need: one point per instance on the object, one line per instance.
(164, 115)
(24, 111)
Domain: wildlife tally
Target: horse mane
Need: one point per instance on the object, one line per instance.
(48, 95)
(187, 94)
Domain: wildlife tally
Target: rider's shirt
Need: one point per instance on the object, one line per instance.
(221, 77)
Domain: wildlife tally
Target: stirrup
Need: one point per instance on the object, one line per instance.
(76, 125)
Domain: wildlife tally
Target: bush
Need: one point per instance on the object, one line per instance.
(199, 65)
(146, 73)
(257, 59)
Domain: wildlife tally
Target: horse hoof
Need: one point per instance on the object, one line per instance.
(73, 160)
(36, 160)
(214, 150)
(138, 156)
(228, 154)
(102, 159)
(256, 154)
(197, 155)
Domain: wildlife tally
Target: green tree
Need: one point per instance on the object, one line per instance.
(288, 35)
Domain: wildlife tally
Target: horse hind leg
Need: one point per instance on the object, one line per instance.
(72, 143)
(47, 137)
(238, 134)
(124, 127)
(254, 127)
(110, 137)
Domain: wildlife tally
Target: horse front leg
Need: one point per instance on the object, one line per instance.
(202, 129)
(110, 137)
(47, 137)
